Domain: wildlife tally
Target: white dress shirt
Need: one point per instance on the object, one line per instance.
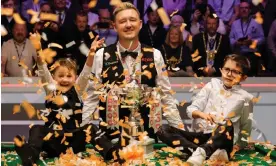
(162, 81)
(215, 100)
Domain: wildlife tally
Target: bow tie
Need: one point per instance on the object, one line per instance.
(128, 53)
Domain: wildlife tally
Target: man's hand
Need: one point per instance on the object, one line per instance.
(196, 15)
(96, 44)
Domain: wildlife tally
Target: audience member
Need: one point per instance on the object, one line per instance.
(199, 19)
(143, 5)
(30, 4)
(227, 10)
(244, 32)
(18, 49)
(152, 33)
(212, 47)
(80, 34)
(269, 15)
(92, 17)
(271, 44)
(174, 5)
(104, 27)
(176, 54)
(65, 15)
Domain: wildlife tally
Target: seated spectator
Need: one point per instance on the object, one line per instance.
(49, 28)
(79, 34)
(92, 17)
(153, 33)
(228, 10)
(104, 27)
(7, 21)
(176, 55)
(177, 20)
(29, 4)
(175, 5)
(271, 45)
(18, 49)
(212, 47)
(143, 5)
(199, 20)
(244, 32)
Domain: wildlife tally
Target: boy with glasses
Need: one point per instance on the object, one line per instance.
(220, 113)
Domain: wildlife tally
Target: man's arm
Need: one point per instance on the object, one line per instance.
(162, 80)
(271, 39)
(4, 59)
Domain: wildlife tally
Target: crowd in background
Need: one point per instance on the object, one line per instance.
(200, 34)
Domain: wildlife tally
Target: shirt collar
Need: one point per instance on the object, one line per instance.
(214, 37)
(122, 49)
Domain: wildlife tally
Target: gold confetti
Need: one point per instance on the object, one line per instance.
(98, 147)
(182, 103)
(18, 142)
(16, 109)
(78, 111)
(44, 118)
(77, 124)
(18, 19)
(4, 31)
(147, 49)
(49, 17)
(115, 2)
(173, 13)
(47, 55)
(36, 1)
(115, 133)
(210, 142)
(114, 155)
(256, 99)
(68, 134)
(182, 27)
(6, 11)
(228, 136)
(257, 54)
(180, 126)
(151, 65)
(172, 92)
(231, 115)
(147, 74)
(92, 4)
(163, 15)
(30, 110)
(222, 129)
(58, 100)
(91, 35)
(47, 137)
(176, 142)
(190, 38)
(263, 68)
(196, 59)
(31, 125)
(103, 124)
(196, 141)
(22, 64)
(259, 18)
(55, 45)
(123, 142)
(215, 15)
(253, 44)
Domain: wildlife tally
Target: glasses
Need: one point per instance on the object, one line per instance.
(233, 72)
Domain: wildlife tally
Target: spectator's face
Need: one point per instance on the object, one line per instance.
(19, 32)
(64, 77)
(127, 24)
(174, 36)
(211, 25)
(177, 21)
(153, 18)
(244, 10)
(231, 74)
(85, 7)
(198, 2)
(9, 4)
(104, 15)
(45, 9)
(81, 22)
(60, 4)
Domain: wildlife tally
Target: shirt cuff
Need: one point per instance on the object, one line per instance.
(190, 113)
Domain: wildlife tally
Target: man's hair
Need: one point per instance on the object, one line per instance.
(211, 16)
(124, 6)
(241, 61)
(82, 14)
(47, 3)
(66, 62)
(181, 41)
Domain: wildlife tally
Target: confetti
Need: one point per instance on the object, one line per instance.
(115, 2)
(55, 45)
(196, 59)
(98, 147)
(34, 14)
(91, 35)
(256, 2)
(4, 31)
(256, 99)
(257, 54)
(59, 100)
(173, 13)
(103, 124)
(163, 15)
(147, 74)
(18, 19)
(215, 15)
(172, 92)
(48, 136)
(77, 124)
(231, 115)
(92, 4)
(182, 103)
(16, 109)
(147, 49)
(253, 44)
(263, 68)
(190, 38)
(49, 17)
(115, 133)
(78, 111)
(35, 39)
(176, 142)
(18, 142)
(151, 65)
(210, 142)
(6, 11)
(196, 141)
(182, 27)
(195, 54)
(68, 134)
(30, 110)
(84, 49)
(259, 18)
(47, 55)
(154, 5)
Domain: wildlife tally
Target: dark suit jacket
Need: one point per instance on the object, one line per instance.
(158, 37)
(223, 50)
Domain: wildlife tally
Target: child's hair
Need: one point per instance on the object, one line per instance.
(241, 61)
(66, 62)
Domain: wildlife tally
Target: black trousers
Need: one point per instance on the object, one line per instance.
(254, 63)
(29, 152)
(220, 139)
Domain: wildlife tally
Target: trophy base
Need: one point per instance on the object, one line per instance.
(148, 146)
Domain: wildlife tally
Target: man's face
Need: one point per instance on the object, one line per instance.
(211, 25)
(244, 10)
(127, 24)
(60, 4)
(45, 9)
(9, 4)
(104, 15)
(81, 22)
(19, 32)
(231, 74)
(153, 18)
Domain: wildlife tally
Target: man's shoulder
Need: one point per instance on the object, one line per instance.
(8, 43)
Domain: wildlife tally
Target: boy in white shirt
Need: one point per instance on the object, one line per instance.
(220, 113)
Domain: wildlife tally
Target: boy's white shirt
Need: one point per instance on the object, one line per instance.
(210, 100)
(81, 82)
